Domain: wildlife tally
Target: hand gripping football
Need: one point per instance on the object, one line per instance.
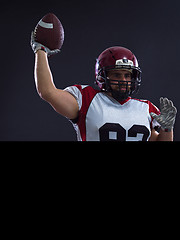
(49, 32)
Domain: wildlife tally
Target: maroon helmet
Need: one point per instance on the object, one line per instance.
(117, 58)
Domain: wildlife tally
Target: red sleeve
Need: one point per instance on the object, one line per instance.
(153, 108)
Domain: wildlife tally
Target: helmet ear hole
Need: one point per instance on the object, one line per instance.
(98, 78)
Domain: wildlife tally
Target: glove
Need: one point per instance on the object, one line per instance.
(38, 46)
(168, 114)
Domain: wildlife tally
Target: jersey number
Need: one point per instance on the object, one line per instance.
(115, 132)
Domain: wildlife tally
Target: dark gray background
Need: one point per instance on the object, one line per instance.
(150, 29)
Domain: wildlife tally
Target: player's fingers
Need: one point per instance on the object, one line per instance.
(32, 37)
(171, 104)
(161, 102)
(165, 101)
(174, 109)
(53, 52)
(166, 105)
(153, 115)
(56, 51)
(32, 34)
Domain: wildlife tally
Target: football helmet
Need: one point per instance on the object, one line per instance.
(117, 58)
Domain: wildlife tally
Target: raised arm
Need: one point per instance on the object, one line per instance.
(62, 101)
(47, 40)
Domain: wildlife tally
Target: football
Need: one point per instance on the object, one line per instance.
(49, 32)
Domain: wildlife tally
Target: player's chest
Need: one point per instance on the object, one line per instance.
(109, 120)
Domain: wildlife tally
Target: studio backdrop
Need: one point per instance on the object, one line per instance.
(150, 29)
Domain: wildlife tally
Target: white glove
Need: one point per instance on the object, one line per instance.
(38, 46)
(168, 114)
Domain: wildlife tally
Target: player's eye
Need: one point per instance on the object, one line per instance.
(127, 75)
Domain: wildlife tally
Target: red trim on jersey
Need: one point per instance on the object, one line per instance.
(152, 108)
(88, 93)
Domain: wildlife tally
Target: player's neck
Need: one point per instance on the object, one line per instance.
(121, 102)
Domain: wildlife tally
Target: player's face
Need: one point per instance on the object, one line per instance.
(119, 75)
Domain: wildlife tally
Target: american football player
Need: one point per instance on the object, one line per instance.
(110, 113)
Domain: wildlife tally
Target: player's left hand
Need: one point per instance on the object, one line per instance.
(38, 46)
(168, 114)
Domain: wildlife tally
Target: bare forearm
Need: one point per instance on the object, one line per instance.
(165, 136)
(62, 101)
(42, 73)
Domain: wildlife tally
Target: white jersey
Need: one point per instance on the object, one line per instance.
(102, 118)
